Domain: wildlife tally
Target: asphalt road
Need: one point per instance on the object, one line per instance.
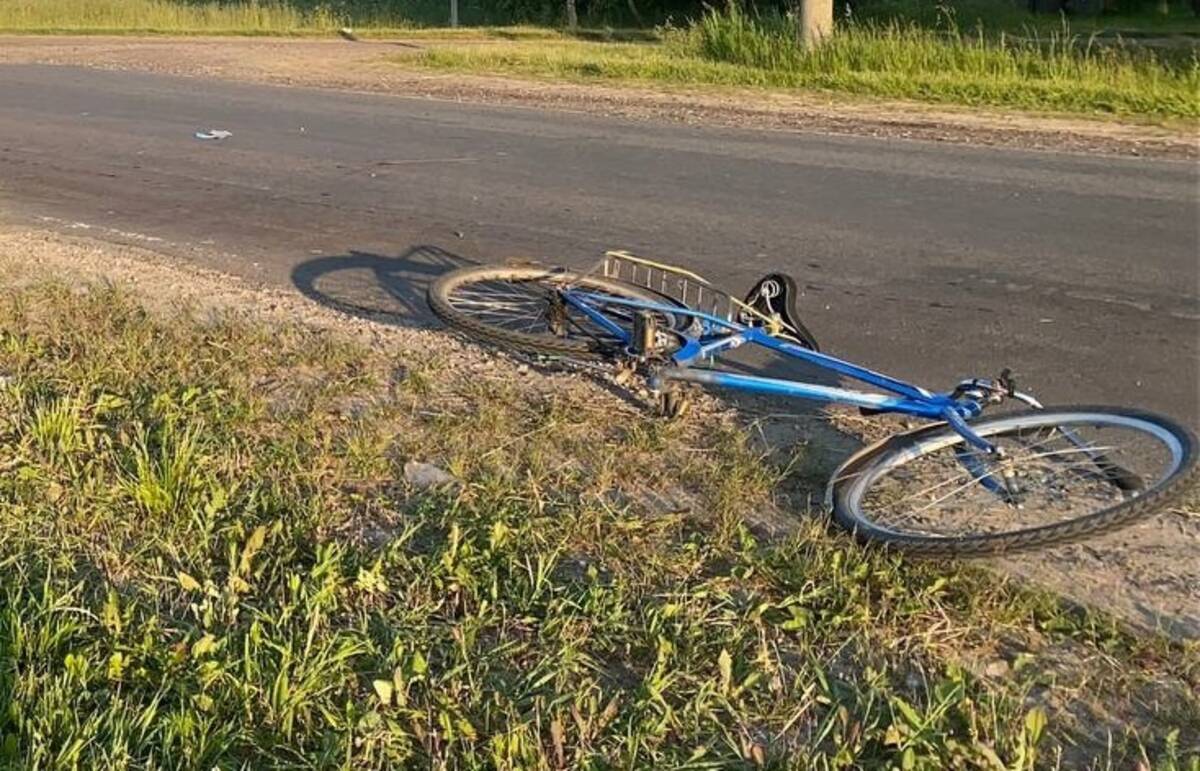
(929, 261)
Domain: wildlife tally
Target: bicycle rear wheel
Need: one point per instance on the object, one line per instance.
(522, 308)
(1067, 473)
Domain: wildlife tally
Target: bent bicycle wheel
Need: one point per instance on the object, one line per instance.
(1067, 473)
(522, 308)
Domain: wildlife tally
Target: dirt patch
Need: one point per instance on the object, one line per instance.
(379, 66)
(1146, 574)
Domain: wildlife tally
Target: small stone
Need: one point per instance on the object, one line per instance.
(426, 476)
(997, 668)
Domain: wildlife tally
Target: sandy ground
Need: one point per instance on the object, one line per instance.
(1147, 574)
(386, 67)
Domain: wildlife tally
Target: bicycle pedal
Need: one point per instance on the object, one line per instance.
(673, 403)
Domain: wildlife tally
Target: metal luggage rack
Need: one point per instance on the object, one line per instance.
(689, 289)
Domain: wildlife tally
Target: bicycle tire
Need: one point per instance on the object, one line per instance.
(855, 475)
(439, 299)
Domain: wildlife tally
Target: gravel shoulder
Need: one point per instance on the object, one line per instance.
(387, 67)
(1145, 574)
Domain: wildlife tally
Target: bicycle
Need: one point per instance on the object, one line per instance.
(988, 480)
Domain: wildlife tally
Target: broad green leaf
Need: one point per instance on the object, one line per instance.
(725, 664)
(110, 614)
(383, 689)
(253, 545)
(204, 646)
(188, 583)
(1035, 723)
(116, 666)
(910, 714)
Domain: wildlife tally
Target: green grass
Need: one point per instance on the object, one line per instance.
(380, 17)
(415, 19)
(1011, 18)
(906, 62)
(207, 560)
(162, 16)
(255, 18)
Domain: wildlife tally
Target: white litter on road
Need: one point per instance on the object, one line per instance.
(214, 134)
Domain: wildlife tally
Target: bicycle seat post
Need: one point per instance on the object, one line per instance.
(645, 334)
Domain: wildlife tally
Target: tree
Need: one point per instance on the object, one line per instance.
(816, 21)
(572, 15)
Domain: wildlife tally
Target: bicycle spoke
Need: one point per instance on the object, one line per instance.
(526, 307)
(974, 478)
(1043, 476)
(520, 296)
(508, 316)
(474, 300)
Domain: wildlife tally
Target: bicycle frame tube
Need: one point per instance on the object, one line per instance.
(927, 408)
(719, 335)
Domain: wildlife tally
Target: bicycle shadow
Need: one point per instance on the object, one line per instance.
(378, 287)
(391, 290)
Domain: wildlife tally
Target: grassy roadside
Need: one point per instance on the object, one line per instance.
(1119, 92)
(1014, 19)
(423, 17)
(160, 16)
(1056, 73)
(248, 18)
(209, 558)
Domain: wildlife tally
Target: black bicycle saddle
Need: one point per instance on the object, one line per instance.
(774, 296)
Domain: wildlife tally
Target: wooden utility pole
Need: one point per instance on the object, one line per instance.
(816, 21)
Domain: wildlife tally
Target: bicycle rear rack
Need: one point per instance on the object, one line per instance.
(681, 285)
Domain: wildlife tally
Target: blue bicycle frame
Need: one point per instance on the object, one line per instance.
(717, 335)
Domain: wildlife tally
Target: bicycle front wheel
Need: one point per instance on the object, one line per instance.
(1065, 473)
(522, 307)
